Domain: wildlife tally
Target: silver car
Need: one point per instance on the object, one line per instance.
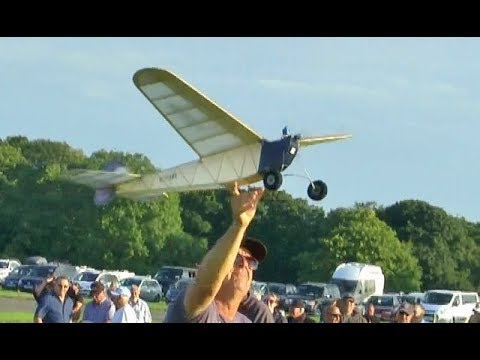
(150, 289)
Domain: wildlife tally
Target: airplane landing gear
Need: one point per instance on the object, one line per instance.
(317, 190)
(272, 180)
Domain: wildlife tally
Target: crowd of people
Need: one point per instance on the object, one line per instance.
(60, 301)
(220, 294)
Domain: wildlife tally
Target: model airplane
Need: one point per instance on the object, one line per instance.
(228, 150)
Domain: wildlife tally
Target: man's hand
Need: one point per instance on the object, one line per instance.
(244, 204)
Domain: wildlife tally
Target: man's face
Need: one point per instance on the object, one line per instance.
(98, 296)
(241, 275)
(62, 286)
(135, 291)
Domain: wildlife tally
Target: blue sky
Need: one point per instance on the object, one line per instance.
(411, 104)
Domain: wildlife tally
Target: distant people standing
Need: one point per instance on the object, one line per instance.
(124, 313)
(297, 313)
(347, 308)
(404, 313)
(370, 314)
(418, 314)
(273, 305)
(57, 306)
(101, 309)
(332, 314)
(140, 306)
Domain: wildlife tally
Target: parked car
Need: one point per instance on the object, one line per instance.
(281, 290)
(6, 266)
(36, 275)
(150, 289)
(385, 306)
(86, 278)
(11, 281)
(176, 288)
(314, 295)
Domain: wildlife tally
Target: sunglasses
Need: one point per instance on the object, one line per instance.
(252, 262)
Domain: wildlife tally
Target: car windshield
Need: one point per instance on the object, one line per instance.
(86, 276)
(42, 271)
(310, 290)
(381, 300)
(436, 298)
(168, 273)
(131, 281)
(3, 264)
(408, 298)
(22, 271)
(345, 286)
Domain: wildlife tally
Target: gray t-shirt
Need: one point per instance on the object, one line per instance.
(176, 314)
(255, 310)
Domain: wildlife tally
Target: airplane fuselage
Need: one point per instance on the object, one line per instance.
(245, 164)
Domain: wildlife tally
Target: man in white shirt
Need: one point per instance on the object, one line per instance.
(124, 313)
(140, 306)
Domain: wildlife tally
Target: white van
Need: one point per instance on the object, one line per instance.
(362, 280)
(449, 306)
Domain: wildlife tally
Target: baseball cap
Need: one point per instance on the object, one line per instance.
(255, 247)
(405, 308)
(121, 291)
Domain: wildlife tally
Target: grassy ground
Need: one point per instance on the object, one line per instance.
(16, 317)
(19, 316)
(13, 294)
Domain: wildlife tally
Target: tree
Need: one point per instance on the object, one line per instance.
(357, 235)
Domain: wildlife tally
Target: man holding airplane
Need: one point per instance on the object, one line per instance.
(226, 272)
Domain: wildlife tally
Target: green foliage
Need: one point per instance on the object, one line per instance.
(417, 245)
(446, 246)
(357, 235)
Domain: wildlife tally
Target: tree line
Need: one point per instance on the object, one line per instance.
(419, 246)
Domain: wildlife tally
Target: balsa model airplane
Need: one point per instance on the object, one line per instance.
(228, 150)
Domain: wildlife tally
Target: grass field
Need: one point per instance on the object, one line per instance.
(12, 294)
(16, 317)
(22, 317)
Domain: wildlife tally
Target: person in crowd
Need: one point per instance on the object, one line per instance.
(404, 313)
(272, 302)
(101, 309)
(140, 306)
(418, 314)
(297, 313)
(370, 314)
(332, 314)
(57, 306)
(124, 313)
(347, 308)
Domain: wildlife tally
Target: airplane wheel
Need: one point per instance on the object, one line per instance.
(318, 191)
(272, 180)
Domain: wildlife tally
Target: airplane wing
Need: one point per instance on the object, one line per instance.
(205, 126)
(98, 179)
(307, 141)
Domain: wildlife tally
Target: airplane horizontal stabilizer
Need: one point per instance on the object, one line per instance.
(313, 140)
(99, 179)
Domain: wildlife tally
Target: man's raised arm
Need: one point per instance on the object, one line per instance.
(219, 260)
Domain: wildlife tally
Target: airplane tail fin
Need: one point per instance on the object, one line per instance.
(313, 140)
(103, 181)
